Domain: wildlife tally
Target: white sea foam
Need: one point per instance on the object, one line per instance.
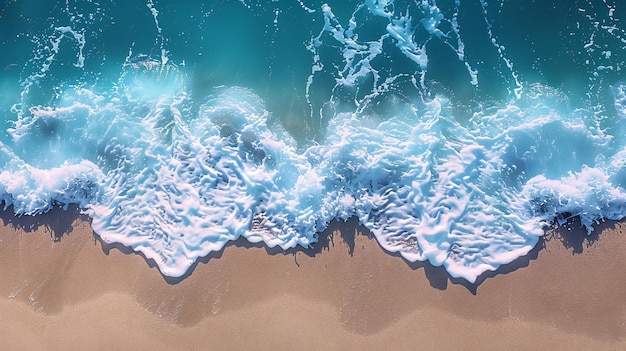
(176, 182)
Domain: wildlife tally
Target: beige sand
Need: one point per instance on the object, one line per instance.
(72, 292)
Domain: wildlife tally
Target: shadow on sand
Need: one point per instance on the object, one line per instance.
(57, 222)
(325, 241)
(572, 235)
(575, 237)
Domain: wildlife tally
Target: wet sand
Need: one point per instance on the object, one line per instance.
(61, 288)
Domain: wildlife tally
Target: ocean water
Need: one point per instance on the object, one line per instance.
(454, 130)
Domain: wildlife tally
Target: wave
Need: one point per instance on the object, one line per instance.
(176, 167)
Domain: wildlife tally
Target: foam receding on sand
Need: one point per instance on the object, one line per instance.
(66, 289)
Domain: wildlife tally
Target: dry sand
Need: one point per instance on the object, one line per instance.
(60, 289)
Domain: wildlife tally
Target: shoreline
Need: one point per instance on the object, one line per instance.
(55, 272)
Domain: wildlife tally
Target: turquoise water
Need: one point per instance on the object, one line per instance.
(454, 130)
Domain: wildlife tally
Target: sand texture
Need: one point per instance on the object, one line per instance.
(61, 288)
